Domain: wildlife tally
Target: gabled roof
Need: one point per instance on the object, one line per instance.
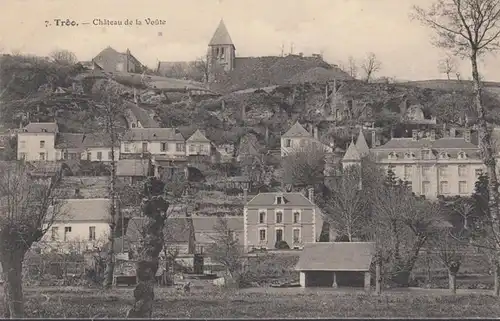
(269, 199)
(142, 116)
(152, 134)
(352, 153)
(221, 36)
(41, 127)
(336, 256)
(90, 209)
(198, 137)
(297, 130)
(133, 167)
(361, 144)
(82, 141)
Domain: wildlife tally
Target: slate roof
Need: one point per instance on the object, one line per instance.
(82, 141)
(297, 130)
(268, 199)
(352, 153)
(153, 134)
(198, 137)
(221, 36)
(441, 143)
(90, 209)
(41, 127)
(133, 167)
(319, 75)
(336, 256)
(362, 145)
(142, 116)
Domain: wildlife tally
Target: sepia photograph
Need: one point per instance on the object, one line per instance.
(255, 159)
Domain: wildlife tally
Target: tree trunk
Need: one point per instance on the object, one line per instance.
(452, 278)
(496, 275)
(378, 277)
(487, 156)
(110, 259)
(151, 244)
(12, 264)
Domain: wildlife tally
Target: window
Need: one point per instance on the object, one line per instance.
(443, 187)
(180, 147)
(288, 143)
(462, 155)
(302, 143)
(409, 155)
(443, 171)
(462, 187)
(426, 171)
(279, 235)
(91, 233)
(296, 217)
(110, 157)
(444, 155)
(65, 155)
(478, 172)
(408, 171)
(126, 147)
(55, 232)
(426, 188)
(393, 155)
(67, 230)
(279, 199)
(89, 155)
(99, 155)
(22, 144)
(163, 147)
(296, 235)
(222, 52)
(133, 125)
(42, 144)
(262, 217)
(462, 170)
(191, 148)
(144, 147)
(42, 156)
(262, 235)
(279, 217)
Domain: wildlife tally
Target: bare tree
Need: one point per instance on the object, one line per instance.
(201, 69)
(226, 250)
(352, 67)
(449, 251)
(28, 207)
(370, 66)
(344, 205)
(304, 166)
(447, 66)
(65, 57)
(155, 208)
(470, 28)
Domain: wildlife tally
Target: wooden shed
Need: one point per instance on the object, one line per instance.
(332, 264)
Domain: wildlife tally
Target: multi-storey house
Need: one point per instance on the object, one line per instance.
(273, 217)
(154, 141)
(36, 142)
(198, 144)
(297, 138)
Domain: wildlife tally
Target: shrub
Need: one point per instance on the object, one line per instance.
(282, 245)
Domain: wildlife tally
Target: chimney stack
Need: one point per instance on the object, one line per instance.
(310, 194)
(414, 135)
(467, 135)
(245, 195)
(433, 135)
(374, 139)
(453, 132)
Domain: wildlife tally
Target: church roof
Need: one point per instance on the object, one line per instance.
(352, 153)
(361, 144)
(221, 36)
(297, 130)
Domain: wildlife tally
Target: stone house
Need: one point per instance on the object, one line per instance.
(111, 60)
(297, 137)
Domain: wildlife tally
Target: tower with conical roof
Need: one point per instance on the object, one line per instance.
(362, 145)
(221, 50)
(352, 156)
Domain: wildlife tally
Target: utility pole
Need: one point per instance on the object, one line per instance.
(291, 48)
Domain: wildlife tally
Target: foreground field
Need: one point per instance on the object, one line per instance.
(260, 303)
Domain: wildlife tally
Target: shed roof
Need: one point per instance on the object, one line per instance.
(336, 256)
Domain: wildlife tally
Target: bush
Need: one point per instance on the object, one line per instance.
(282, 245)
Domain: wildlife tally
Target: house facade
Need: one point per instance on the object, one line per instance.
(297, 138)
(155, 141)
(273, 217)
(82, 224)
(198, 144)
(36, 142)
(111, 60)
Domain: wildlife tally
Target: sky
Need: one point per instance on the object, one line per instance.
(336, 28)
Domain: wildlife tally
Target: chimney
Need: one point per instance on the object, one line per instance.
(310, 194)
(316, 132)
(467, 135)
(374, 139)
(453, 132)
(414, 135)
(433, 135)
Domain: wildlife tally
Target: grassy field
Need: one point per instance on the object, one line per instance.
(258, 303)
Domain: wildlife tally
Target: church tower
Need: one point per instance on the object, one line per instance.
(221, 50)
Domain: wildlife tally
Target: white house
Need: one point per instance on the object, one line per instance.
(198, 144)
(80, 223)
(297, 137)
(156, 141)
(36, 142)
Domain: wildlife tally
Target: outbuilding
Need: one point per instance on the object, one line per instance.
(334, 264)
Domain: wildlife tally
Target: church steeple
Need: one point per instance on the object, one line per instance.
(221, 50)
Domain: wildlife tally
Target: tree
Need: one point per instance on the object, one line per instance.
(28, 207)
(155, 207)
(447, 66)
(109, 111)
(304, 166)
(370, 66)
(449, 251)
(64, 57)
(352, 67)
(226, 250)
(344, 205)
(201, 69)
(470, 28)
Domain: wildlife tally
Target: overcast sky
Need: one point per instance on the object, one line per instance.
(337, 28)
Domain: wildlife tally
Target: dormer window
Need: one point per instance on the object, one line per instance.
(444, 155)
(44, 130)
(393, 155)
(279, 200)
(409, 155)
(462, 155)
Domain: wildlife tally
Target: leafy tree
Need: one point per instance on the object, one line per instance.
(304, 167)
